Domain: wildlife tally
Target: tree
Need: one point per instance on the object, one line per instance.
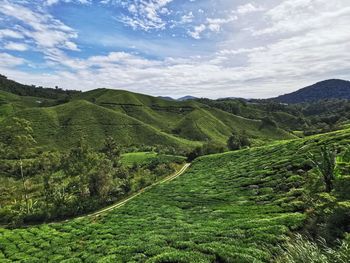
(196, 152)
(326, 166)
(16, 136)
(78, 163)
(49, 163)
(111, 150)
(236, 141)
(100, 178)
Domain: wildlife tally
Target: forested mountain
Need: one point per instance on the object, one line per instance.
(328, 89)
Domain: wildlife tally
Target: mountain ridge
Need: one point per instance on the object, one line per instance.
(327, 89)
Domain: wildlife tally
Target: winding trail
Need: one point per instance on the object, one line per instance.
(123, 202)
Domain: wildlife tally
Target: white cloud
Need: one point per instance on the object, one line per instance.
(42, 28)
(248, 8)
(211, 24)
(197, 31)
(216, 23)
(145, 14)
(53, 2)
(8, 60)
(7, 33)
(187, 18)
(16, 46)
(292, 16)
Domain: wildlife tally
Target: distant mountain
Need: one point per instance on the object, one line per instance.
(328, 89)
(165, 98)
(187, 98)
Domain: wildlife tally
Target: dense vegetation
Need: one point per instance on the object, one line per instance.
(37, 187)
(233, 207)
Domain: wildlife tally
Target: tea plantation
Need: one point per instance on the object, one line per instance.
(233, 207)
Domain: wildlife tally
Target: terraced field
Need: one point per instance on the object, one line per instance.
(233, 207)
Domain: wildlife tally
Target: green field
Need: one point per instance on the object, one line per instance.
(142, 158)
(232, 207)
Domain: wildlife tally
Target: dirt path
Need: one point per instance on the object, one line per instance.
(123, 202)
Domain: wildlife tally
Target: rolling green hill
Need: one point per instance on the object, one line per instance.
(132, 119)
(232, 207)
(61, 126)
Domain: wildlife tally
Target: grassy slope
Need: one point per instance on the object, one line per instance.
(11, 103)
(190, 119)
(131, 118)
(64, 124)
(213, 213)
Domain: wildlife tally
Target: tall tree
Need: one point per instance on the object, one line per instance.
(77, 163)
(16, 136)
(100, 177)
(325, 164)
(111, 150)
(49, 163)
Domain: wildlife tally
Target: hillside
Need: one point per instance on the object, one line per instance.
(328, 89)
(33, 91)
(132, 119)
(61, 126)
(233, 207)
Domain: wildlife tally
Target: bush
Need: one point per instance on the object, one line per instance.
(238, 141)
(301, 250)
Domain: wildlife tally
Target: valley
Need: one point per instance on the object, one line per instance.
(115, 176)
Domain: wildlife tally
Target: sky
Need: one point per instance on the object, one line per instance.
(204, 48)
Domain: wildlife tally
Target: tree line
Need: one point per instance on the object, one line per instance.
(58, 185)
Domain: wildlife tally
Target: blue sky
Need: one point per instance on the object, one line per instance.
(208, 48)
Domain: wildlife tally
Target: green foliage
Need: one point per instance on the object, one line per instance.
(16, 138)
(111, 150)
(147, 158)
(238, 141)
(329, 212)
(100, 178)
(205, 149)
(268, 122)
(301, 250)
(326, 166)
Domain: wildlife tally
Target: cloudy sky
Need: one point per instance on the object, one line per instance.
(209, 48)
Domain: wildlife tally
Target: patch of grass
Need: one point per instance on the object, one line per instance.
(144, 158)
